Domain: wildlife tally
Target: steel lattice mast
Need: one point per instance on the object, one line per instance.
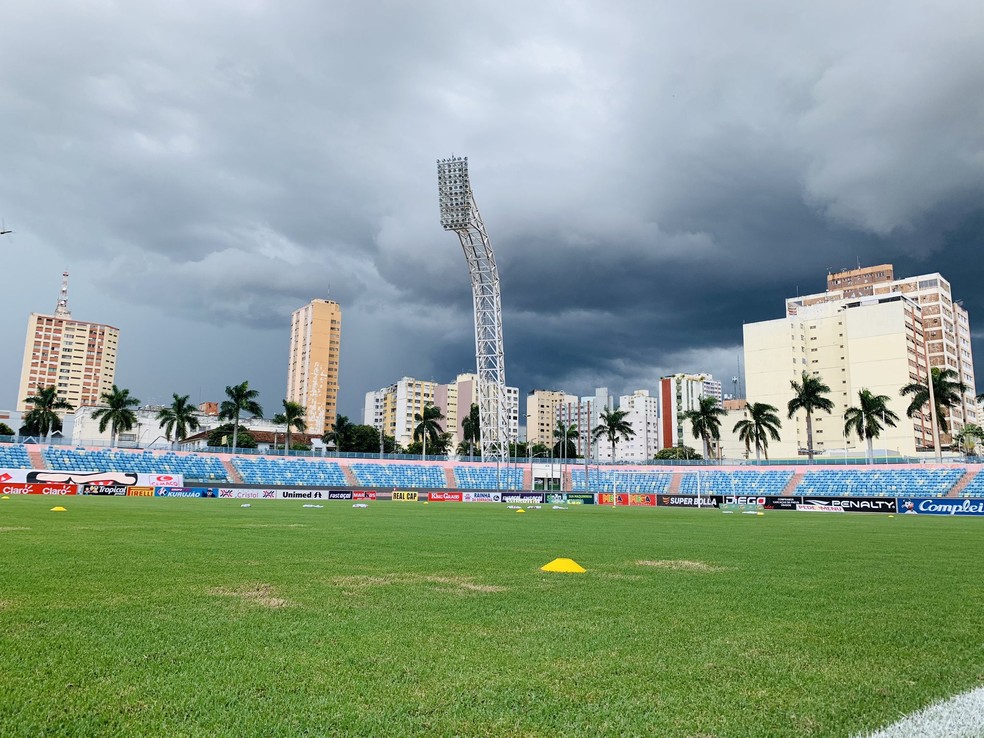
(459, 213)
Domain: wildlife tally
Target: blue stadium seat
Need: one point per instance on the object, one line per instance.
(14, 456)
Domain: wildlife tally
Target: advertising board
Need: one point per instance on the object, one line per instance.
(579, 498)
(848, 504)
(535, 498)
(481, 497)
(20, 488)
(712, 501)
(444, 496)
(402, 495)
(363, 494)
(940, 506)
(43, 476)
(109, 490)
(185, 492)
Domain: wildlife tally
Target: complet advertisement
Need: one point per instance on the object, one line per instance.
(940, 506)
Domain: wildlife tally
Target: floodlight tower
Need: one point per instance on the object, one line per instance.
(459, 213)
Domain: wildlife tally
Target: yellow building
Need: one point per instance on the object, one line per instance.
(77, 358)
(542, 407)
(312, 375)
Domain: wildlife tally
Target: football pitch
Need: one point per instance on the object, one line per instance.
(201, 617)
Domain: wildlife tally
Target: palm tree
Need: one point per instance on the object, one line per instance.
(613, 426)
(178, 418)
(471, 428)
(564, 448)
(705, 421)
(427, 425)
(292, 417)
(43, 414)
(241, 399)
(968, 437)
(760, 424)
(340, 434)
(116, 413)
(946, 394)
(864, 419)
(809, 395)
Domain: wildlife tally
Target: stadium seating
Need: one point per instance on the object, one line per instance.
(604, 480)
(975, 488)
(473, 476)
(289, 472)
(194, 467)
(748, 483)
(14, 456)
(400, 475)
(879, 483)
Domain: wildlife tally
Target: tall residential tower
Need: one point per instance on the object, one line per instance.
(75, 357)
(312, 377)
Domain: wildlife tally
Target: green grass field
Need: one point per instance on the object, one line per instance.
(199, 617)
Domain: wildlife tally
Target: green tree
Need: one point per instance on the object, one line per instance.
(43, 417)
(864, 418)
(341, 434)
(6, 430)
(705, 421)
(223, 435)
(947, 394)
(809, 395)
(613, 427)
(517, 449)
(759, 425)
(364, 439)
(565, 447)
(427, 427)
(116, 413)
(540, 450)
(293, 418)
(242, 399)
(471, 428)
(968, 438)
(681, 453)
(178, 418)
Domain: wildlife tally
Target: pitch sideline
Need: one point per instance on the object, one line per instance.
(958, 717)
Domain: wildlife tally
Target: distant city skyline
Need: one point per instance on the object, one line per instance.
(653, 176)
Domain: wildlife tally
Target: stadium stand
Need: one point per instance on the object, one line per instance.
(290, 472)
(882, 483)
(473, 476)
(14, 457)
(751, 483)
(400, 475)
(194, 467)
(975, 488)
(623, 481)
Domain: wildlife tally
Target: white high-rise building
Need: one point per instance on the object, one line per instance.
(868, 331)
(642, 413)
(393, 408)
(585, 413)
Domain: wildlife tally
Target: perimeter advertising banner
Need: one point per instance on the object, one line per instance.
(535, 498)
(401, 495)
(363, 494)
(712, 501)
(848, 504)
(940, 506)
(19, 488)
(111, 490)
(185, 492)
(444, 496)
(579, 498)
(43, 476)
(481, 497)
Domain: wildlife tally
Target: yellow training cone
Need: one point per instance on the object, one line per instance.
(567, 566)
(521, 510)
(4, 498)
(58, 509)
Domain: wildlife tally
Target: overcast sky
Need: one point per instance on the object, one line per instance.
(651, 174)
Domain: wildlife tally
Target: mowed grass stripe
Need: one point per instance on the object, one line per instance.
(150, 616)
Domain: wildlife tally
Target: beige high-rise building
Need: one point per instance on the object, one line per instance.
(76, 357)
(868, 331)
(393, 408)
(542, 407)
(312, 376)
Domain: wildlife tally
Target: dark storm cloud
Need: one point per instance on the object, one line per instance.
(652, 176)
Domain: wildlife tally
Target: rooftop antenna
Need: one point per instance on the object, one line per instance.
(3, 229)
(61, 310)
